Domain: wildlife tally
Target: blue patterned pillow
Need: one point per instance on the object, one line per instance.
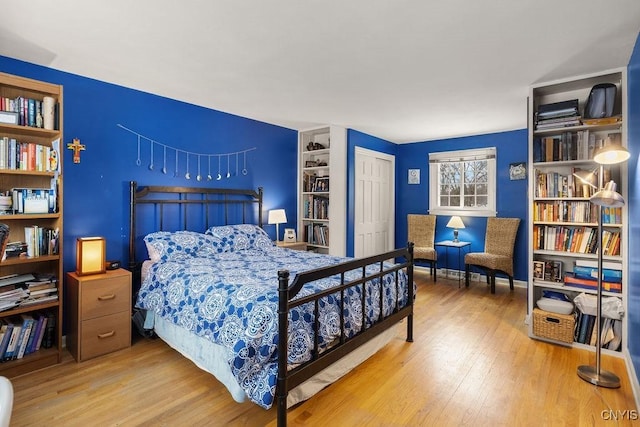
(164, 245)
(240, 236)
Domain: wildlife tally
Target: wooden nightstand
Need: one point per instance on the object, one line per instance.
(298, 246)
(99, 313)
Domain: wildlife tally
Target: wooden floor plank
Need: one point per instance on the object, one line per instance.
(471, 363)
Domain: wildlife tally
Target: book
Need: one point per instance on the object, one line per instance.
(15, 279)
(571, 280)
(42, 326)
(13, 340)
(585, 326)
(49, 333)
(7, 329)
(27, 327)
(608, 275)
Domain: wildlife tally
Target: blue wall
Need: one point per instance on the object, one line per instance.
(511, 195)
(96, 189)
(633, 204)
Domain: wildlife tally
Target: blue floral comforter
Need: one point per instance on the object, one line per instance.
(231, 299)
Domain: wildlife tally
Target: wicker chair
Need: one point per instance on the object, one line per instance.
(499, 242)
(422, 232)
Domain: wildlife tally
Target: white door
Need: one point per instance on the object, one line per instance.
(374, 203)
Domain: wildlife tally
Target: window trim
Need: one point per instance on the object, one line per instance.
(489, 154)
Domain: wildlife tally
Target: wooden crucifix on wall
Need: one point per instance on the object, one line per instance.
(76, 147)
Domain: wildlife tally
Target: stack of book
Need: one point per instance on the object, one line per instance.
(12, 293)
(40, 291)
(585, 275)
(557, 115)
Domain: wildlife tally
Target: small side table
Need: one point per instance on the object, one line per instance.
(298, 246)
(460, 246)
(99, 313)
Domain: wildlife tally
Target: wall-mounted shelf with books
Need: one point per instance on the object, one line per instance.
(30, 160)
(563, 223)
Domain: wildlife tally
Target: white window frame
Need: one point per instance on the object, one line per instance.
(437, 158)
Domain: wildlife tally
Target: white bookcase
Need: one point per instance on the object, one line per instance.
(322, 183)
(564, 209)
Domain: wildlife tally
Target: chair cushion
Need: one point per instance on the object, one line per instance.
(420, 252)
(490, 261)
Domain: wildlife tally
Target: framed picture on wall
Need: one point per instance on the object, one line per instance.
(518, 171)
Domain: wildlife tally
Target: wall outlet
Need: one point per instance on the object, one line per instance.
(475, 277)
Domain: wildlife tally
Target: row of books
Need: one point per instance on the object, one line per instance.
(564, 147)
(316, 234)
(565, 211)
(556, 184)
(32, 112)
(28, 156)
(574, 211)
(33, 200)
(26, 333)
(315, 207)
(41, 240)
(568, 146)
(575, 239)
(586, 331)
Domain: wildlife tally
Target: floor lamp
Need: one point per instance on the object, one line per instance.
(606, 196)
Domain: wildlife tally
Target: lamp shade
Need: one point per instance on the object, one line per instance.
(608, 196)
(455, 222)
(90, 255)
(277, 216)
(585, 177)
(611, 154)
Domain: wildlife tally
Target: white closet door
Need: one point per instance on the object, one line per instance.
(374, 203)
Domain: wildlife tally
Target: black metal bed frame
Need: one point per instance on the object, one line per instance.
(290, 378)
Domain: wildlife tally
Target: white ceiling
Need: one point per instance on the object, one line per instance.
(401, 70)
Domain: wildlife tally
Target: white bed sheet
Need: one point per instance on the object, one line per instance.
(211, 357)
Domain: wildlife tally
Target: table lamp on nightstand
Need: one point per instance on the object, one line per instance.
(277, 217)
(455, 222)
(90, 255)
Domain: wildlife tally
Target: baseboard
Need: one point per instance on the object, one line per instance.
(451, 273)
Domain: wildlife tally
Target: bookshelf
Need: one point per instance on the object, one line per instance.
(322, 189)
(30, 159)
(562, 223)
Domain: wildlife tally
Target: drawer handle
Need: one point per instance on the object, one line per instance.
(106, 297)
(107, 334)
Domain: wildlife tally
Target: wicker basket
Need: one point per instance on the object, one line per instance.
(554, 326)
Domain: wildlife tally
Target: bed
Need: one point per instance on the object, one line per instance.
(274, 325)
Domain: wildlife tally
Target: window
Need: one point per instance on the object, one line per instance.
(463, 182)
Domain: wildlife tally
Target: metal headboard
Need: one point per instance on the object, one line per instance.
(185, 199)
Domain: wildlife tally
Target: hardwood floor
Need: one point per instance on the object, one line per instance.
(471, 363)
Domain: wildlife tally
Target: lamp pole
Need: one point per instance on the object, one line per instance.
(595, 375)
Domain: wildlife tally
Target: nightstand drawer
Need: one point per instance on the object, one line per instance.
(105, 296)
(105, 334)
